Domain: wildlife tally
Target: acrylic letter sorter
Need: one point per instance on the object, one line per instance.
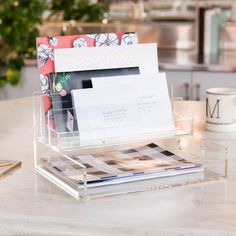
(125, 164)
(104, 123)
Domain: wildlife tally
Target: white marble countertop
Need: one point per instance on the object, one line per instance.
(30, 205)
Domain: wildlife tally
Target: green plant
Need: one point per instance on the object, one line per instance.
(18, 20)
(81, 10)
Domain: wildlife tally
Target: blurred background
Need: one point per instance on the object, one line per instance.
(196, 38)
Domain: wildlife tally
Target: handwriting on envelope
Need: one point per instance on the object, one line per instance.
(146, 104)
(107, 112)
(115, 116)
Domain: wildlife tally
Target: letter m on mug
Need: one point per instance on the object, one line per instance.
(213, 111)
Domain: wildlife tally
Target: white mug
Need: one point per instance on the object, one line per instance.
(221, 109)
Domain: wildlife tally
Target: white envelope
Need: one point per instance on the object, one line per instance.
(110, 81)
(113, 112)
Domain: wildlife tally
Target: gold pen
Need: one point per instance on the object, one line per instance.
(5, 164)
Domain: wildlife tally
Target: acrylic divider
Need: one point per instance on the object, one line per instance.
(52, 148)
(70, 139)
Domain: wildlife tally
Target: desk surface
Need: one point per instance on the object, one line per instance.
(30, 205)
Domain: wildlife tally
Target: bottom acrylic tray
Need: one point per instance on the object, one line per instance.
(124, 168)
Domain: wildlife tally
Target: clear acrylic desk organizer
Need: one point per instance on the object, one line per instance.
(50, 145)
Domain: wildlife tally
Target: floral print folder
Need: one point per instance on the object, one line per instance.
(45, 58)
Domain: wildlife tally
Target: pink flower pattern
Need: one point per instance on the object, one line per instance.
(129, 39)
(43, 53)
(80, 43)
(44, 83)
(106, 40)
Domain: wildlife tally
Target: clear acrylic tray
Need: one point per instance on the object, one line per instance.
(70, 139)
(54, 149)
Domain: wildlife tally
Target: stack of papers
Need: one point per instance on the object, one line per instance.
(132, 100)
(139, 163)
